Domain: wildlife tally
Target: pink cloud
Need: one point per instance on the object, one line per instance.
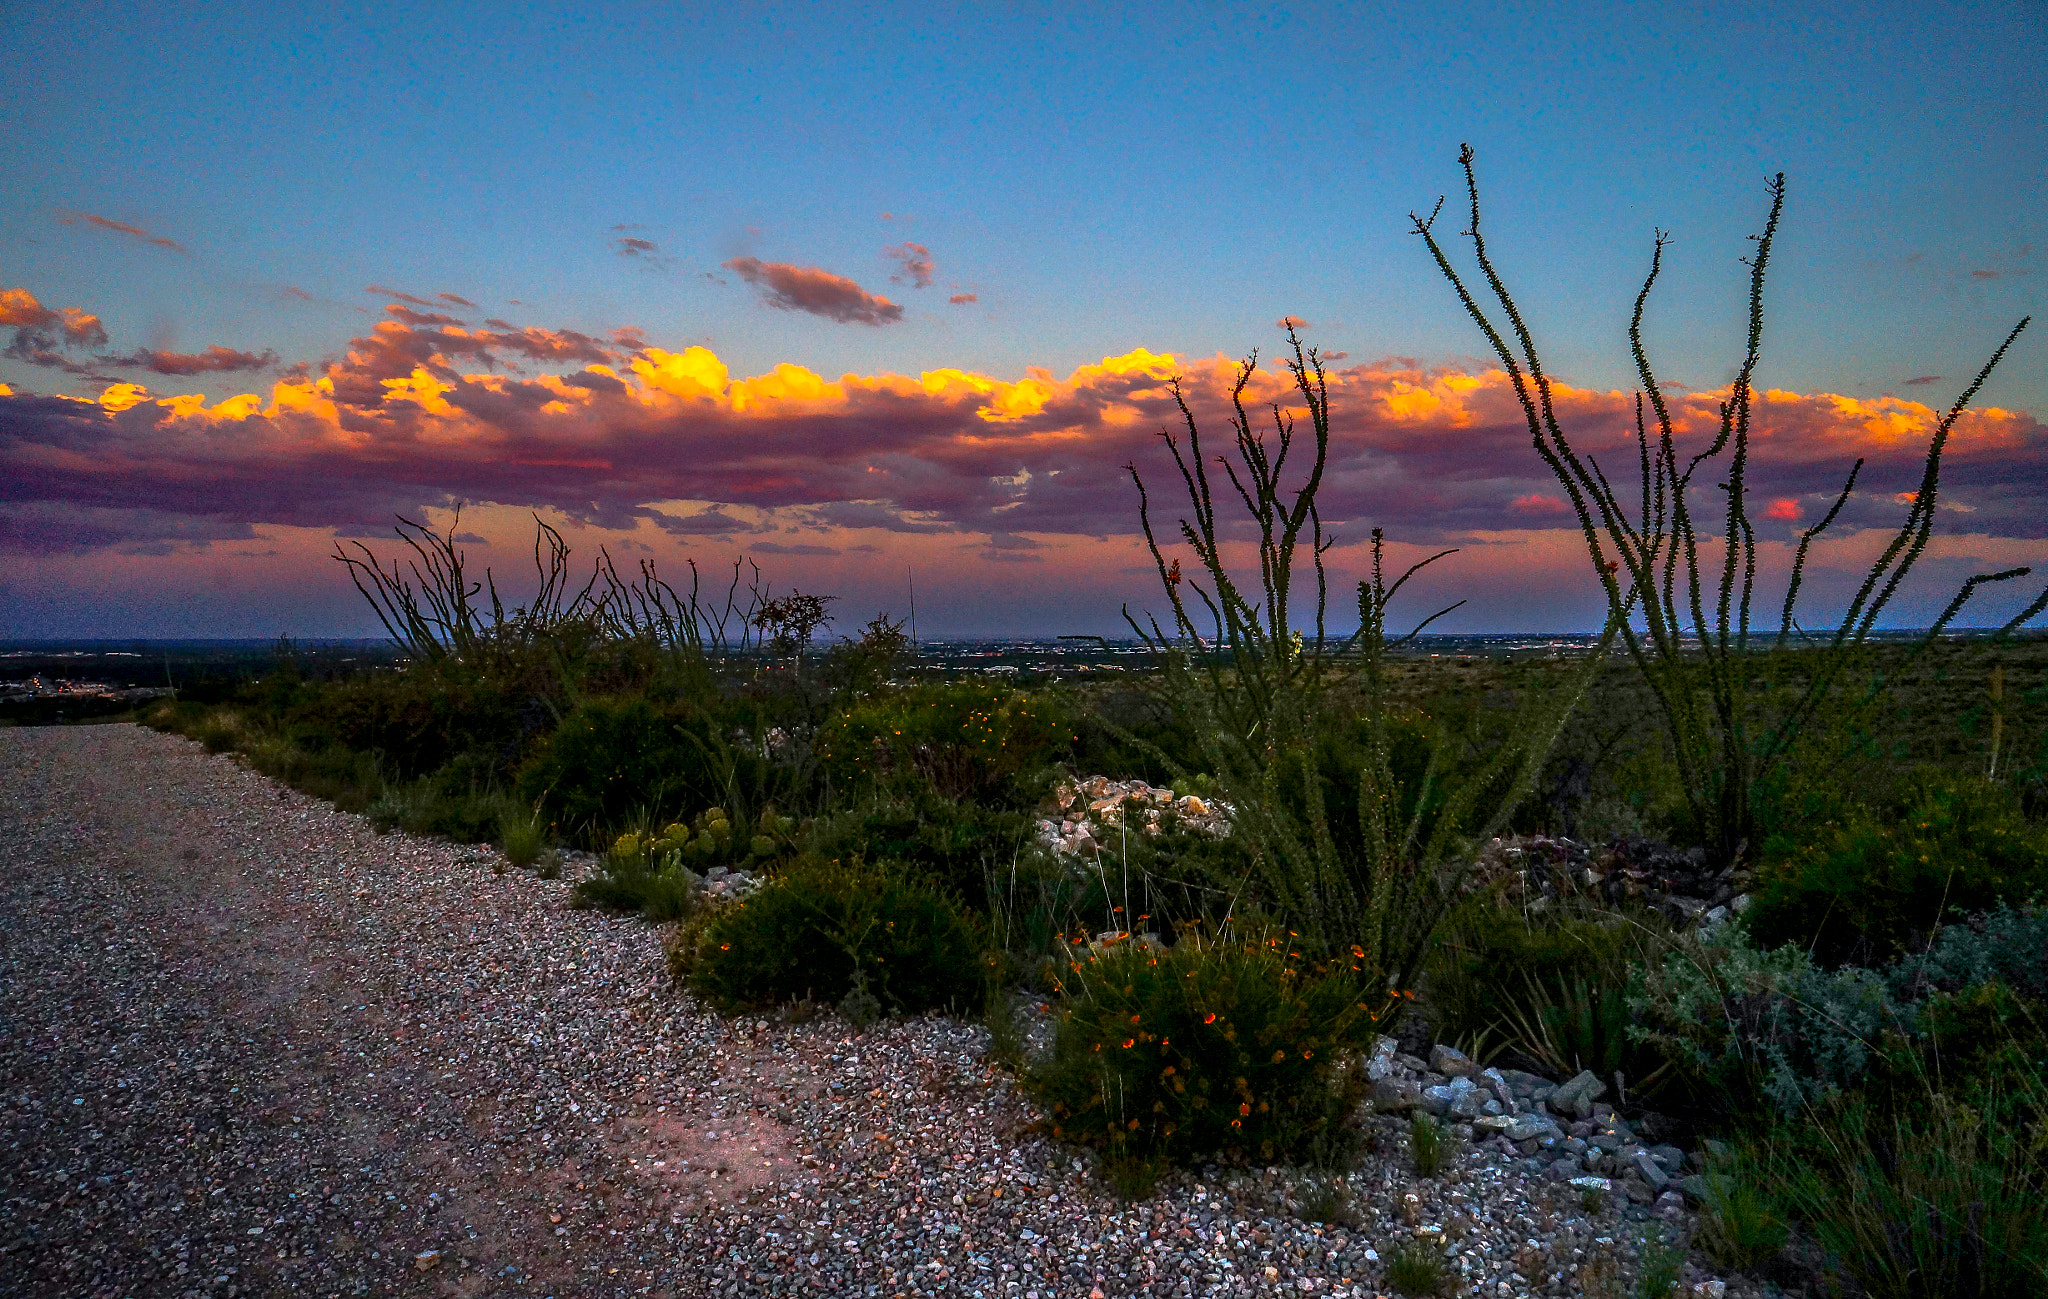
(814, 290)
(119, 228)
(917, 264)
(1783, 510)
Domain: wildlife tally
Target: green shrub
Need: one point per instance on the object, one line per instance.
(613, 759)
(1226, 1048)
(958, 846)
(966, 740)
(817, 925)
(1872, 886)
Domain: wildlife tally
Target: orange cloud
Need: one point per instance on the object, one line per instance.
(119, 228)
(814, 290)
(619, 433)
(962, 299)
(1784, 510)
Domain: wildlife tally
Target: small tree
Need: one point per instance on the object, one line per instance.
(1727, 739)
(791, 621)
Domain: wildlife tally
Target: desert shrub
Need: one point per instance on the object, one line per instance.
(958, 846)
(1226, 1048)
(348, 779)
(419, 719)
(425, 807)
(1940, 1198)
(1747, 1024)
(1551, 986)
(219, 733)
(613, 759)
(1875, 884)
(826, 929)
(966, 740)
(2005, 945)
(1744, 1024)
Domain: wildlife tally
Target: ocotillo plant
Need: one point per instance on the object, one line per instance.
(1261, 699)
(1695, 659)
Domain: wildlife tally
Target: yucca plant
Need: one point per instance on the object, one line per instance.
(1692, 639)
(1264, 700)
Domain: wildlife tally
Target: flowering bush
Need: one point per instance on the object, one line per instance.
(1225, 1047)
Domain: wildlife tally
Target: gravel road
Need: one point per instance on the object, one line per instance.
(249, 1046)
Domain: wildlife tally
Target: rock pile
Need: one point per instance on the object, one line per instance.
(1560, 1131)
(1537, 870)
(1074, 821)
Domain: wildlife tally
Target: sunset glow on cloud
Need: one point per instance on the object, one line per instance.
(425, 412)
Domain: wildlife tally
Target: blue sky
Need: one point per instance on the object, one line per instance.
(1173, 178)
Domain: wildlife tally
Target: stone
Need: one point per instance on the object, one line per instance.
(1593, 1183)
(1394, 1094)
(1450, 1060)
(426, 1260)
(1525, 1128)
(1563, 1170)
(1437, 1100)
(1694, 1188)
(1493, 1122)
(1670, 1206)
(1652, 1171)
(1380, 1063)
(1578, 1095)
(1498, 1085)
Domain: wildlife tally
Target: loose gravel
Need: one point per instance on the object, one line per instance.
(250, 1046)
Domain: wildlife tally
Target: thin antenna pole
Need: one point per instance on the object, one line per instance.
(911, 574)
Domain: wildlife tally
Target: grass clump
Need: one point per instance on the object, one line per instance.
(1417, 1269)
(525, 838)
(1430, 1144)
(1221, 1048)
(820, 930)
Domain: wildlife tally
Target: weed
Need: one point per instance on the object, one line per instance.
(1742, 1226)
(1659, 1266)
(524, 836)
(1417, 1269)
(1430, 1144)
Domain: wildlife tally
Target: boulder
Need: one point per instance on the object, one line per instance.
(1450, 1060)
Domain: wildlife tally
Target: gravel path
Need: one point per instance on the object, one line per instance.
(250, 1046)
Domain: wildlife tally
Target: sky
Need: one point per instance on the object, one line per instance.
(882, 295)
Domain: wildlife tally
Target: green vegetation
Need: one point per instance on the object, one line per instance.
(1801, 915)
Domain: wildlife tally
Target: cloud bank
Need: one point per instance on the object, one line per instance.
(424, 411)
